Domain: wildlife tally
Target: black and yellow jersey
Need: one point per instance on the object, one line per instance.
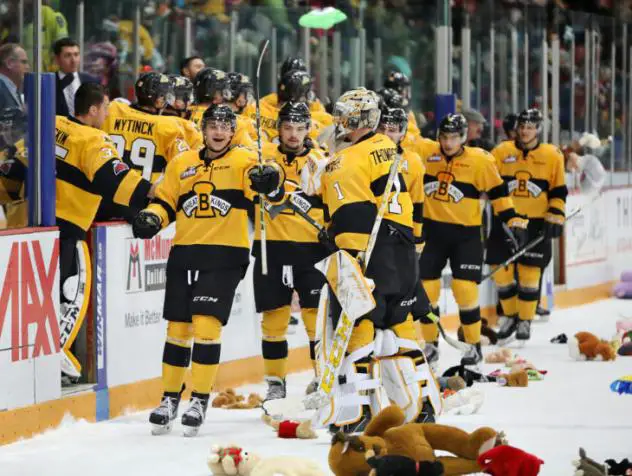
(270, 115)
(454, 188)
(89, 169)
(353, 185)
(273, 100)
(145, 141)
(535, 179)
(13, 170)
(192, 133)
(290, 239)
(423, 146)
(209, 202)
(413, 128)
(413, 170)
(245, 132)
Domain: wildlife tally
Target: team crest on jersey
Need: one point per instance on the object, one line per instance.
(119, 167)
(5, 167)
(434, 158)
(509, 160)
(203, 204)
(443, 188)
(522, 186)
(188, 172)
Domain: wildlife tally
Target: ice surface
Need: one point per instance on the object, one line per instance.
(572, 407)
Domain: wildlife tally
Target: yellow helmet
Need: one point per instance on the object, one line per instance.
(356, 109)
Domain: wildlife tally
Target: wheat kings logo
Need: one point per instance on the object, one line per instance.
(192, 204)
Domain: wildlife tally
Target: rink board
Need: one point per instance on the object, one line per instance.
(128, 291)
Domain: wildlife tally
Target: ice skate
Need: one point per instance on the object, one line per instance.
(276, 388)
(523, 331)
(313, 386)
(473, 356)
(162, 418)
(506, 333)
(193, 417)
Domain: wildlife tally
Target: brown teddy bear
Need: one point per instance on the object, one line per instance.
(514, 379)
(587, 346)
(229, 400)
(387, 435)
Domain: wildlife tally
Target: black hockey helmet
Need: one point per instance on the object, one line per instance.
(509, 122)
(400, 83)
(390, 98)
(452, 123)
(530, 116)
(394, 116)
(182, 88)
(238, 84)
(295, 112)
(207, 83)
(152, 86)
(292, 63)
(295, 86)
(219, 113)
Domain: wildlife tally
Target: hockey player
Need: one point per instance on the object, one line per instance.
(293, 246)
(13, 167)
(181, 110)
(239, 93)
(207, 194)
(89, 169)
(456, 176)
(534, 174)
(400, 83)
(211, 86)
(144, 138)
(353, 186)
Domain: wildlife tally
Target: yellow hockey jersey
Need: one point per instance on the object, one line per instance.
(412, 124)
(209, 202)
(454, 187)
(13, 170)
(353, 185)
(536, 180)
(413, 170)
(89, 169)
(146, 142)
(290, 239)
(192, 133)
(245, 132)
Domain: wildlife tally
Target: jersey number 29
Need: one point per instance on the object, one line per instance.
(141, 153)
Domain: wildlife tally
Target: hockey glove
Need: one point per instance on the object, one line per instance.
(327, 241)
(265, 179)
(517, 233)
(553, 225)
(146, 225)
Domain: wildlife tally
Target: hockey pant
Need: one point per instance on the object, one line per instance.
(76, 281)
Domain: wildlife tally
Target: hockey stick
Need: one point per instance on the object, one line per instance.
(262, 224)
(457, 344)
(532, 244)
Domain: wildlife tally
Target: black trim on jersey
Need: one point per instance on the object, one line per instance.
(560, 192)
(68, 229)
(17, 169)
(438, 230)
(171, 214)
(208, 257)
(139, 198)
(379, 185)
(106, 182)
(556, 211)
(468, 189)
(499, 191)
(418, 212)
(74, 176)
(507, 215)
(355, 217)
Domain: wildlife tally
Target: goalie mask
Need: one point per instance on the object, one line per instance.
(356, 109)
(295, 86)
(154, 90)
(210, 86)
(400, 83)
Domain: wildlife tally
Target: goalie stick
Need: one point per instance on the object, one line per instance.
(262, 224)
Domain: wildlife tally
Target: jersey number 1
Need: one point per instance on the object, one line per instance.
(141, 153)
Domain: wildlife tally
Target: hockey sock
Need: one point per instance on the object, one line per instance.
(507, 290)
(466, 296)
(207, 331)
(309, 319)
(430, 330)
(274, 345)
(176, 356)
(363, 334)
(528, 291)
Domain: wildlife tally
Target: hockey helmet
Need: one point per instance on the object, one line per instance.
(356, 109)
(394, 116)
(182, 88)
(297, 112)
(292, 63)
(295, 86)
(400, 83)
(530, 116)
(453, 123)
(219, 113)
(391, 98)
(207, 83)
(238, 84)
(151, 87)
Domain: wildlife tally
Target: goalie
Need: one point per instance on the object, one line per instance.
(382, 360)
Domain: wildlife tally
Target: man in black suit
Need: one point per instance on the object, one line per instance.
(68, 78)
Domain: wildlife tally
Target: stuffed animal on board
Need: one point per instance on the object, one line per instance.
(229, 400)
(585, 466)
(386, 434)
(389, 465)
(290, 428)
(587, 346)
(463, 402)
(501, 356)
(509, 461)
(231, 460)
(514, 379)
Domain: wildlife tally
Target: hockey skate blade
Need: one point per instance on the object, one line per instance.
(506, 341)
(190, 431)
(158, 430)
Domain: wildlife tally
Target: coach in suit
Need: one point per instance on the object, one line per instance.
(68, 78)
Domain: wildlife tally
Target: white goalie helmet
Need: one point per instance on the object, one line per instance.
(356, 109)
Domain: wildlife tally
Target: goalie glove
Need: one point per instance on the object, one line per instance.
(517, 233)
(146, 225)
(553, 225)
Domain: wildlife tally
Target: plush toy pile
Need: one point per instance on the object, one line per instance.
(229, 400)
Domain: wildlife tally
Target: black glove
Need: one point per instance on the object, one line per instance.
(517, 233)
(327, 241)
(264, 179)
(146, 225)
(553, 225)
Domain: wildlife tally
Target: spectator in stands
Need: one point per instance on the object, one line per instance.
(14, 64)
(475, 125)
(68, 78)
(191, 66)
(54, 28)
